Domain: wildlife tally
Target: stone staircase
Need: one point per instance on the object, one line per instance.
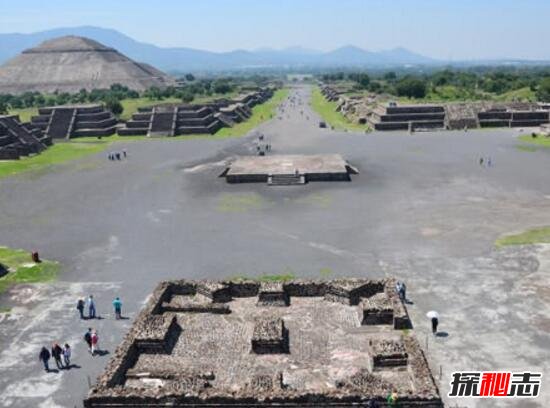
(60, 123)
(162, 123)
(286, 179)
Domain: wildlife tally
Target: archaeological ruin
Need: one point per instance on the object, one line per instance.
(20, 139)
(208, 118)
(457, 115)
(70, 63)
(289, 169)
(70, 121)
(335, 343)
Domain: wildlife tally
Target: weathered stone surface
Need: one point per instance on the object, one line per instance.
(68, 64)
(206, 358)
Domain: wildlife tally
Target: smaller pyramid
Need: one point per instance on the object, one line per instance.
(70, 63)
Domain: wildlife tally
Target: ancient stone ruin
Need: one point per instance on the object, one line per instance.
(69, 121)
(392, 116)
(292, 169)
(285, 344)
(174, 120)
(69, 64)
(20, 139)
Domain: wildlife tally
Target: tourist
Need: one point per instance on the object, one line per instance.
(403, 293)
(124, 153)
(117, 304)
(117, 154)
(392, 399)
(44, 356)
(489, 162)
(481, 161)
(95, 341)
(67, 355)
(57, 352)
(91, 307)
(88, 339)
(435, 322)
(80, 307)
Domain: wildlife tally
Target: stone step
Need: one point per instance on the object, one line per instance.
(285, 180)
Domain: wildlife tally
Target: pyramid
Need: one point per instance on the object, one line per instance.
(68, 64)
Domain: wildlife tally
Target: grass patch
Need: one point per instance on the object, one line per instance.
(240, 202)
(260, 114)
(325, 272)
(540, 140)
(327, 110)
(533, 236)
(58, 153)
(284, 277)
(525, 148)
(25, 114)
(23, 270)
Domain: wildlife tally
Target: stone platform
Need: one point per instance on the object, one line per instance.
(289, 169)
(314, 352)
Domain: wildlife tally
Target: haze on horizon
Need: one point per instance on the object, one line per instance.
(449, 30)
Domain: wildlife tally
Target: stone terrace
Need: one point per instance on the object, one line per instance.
(315, 351)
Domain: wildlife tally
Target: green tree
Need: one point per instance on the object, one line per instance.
(187, 96)
(189, 77)
(411, 87)
(3, 108)
(114, 105)
(543, 90)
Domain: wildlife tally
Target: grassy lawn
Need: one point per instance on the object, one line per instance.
(58, 153)
(23, 270)
(260, 114)
(327, 110)
(532, 236)
(25, 114)
(542, 141)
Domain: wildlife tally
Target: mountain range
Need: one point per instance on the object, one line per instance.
(189, 59)
(181, 59)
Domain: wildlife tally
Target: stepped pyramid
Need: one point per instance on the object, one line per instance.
(68, 64)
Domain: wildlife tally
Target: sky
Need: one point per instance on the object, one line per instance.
(445, 29)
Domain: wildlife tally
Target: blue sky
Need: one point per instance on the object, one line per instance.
(459, 29)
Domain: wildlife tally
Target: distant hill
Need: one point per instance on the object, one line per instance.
(182, 59)
(188, 59)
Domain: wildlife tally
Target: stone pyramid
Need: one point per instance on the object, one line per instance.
(68, 64)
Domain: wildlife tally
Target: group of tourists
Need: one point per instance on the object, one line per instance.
(485, 161)
(117, 155)
(89, 305)
(401, 290)
(61, 356)
(92, 340)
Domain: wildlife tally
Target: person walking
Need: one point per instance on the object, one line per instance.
(117, 304)
(67, 355)
(80, 307)
(489, 162)
(44, 356)
(91, 307)
(124, 153)
(481, 161)
(95, 341)
(88, 339)
(403, 294)
(398, 289)
(57, 352)
(435, 322)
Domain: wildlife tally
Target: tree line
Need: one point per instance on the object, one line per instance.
(111, 97)
(475, 83)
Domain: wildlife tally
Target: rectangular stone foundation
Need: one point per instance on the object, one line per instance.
(270, 336)
(377, 310)
(176, 356)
